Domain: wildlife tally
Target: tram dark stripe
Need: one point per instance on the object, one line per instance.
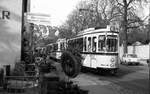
(97, 53)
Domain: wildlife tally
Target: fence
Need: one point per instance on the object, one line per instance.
(142, 51)
(46, 85)
(20, 85)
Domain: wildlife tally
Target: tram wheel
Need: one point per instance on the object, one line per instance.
(69, 64)
(84, 69)
(101, 72)
(113, 72)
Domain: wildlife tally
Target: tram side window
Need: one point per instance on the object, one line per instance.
(55, 47)
(47, 50)
(50, 48)
(70, 44)
(94, 42)
(84, 44)
(101, 42)
(80, 43)
(89, 44)
(62, 46)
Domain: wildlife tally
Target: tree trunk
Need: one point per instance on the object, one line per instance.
(98, 21)
(125, 26)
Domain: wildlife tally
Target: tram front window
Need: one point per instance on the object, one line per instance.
(111, 45)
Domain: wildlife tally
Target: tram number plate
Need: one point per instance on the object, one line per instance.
(104, 65)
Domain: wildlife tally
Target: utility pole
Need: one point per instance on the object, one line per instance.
(149, 31)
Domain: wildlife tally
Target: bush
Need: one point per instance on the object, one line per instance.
(19, 69)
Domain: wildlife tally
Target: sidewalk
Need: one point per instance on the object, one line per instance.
(143, 62)
(99, 89)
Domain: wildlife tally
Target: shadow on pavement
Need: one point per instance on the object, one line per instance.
(122, 71)
(137, 86)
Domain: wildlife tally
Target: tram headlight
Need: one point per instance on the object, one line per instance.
(112, 60)
(112, 65)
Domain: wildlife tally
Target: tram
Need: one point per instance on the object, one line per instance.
(99, 48)
(55, 49)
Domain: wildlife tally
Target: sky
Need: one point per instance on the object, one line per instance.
(60, 9)
(57, 9)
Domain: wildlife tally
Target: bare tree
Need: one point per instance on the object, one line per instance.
(85, 15)
(130, 19)
(94, 13)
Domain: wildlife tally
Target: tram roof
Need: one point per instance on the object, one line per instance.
(98, 30)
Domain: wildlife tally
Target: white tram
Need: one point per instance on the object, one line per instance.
(99, 48)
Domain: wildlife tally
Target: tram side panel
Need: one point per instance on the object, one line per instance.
(10, 31)
(100, 61)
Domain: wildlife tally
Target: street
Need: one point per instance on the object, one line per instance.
(129, 80)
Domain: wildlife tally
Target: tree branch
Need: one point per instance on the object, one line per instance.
(130, 2)
(104, 11)
(130, 8)
(131, 27)
(120, 11)
(130, 21)
(119, 3)
(114, 16)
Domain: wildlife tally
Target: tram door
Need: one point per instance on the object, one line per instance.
(87, 49)
(93, 55)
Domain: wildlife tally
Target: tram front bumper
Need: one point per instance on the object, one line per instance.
(102, 68)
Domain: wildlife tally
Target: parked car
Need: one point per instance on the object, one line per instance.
(130, 59)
